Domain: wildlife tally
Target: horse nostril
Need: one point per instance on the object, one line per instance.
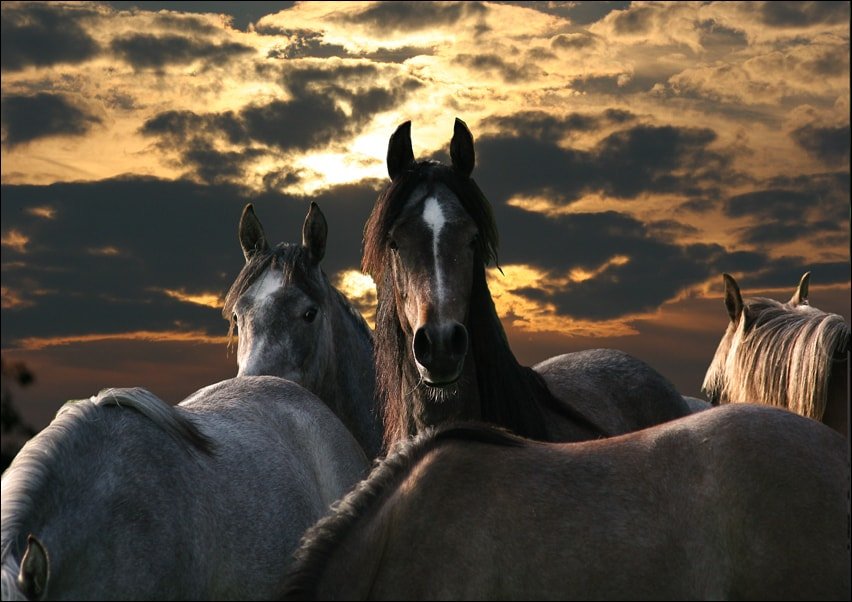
(422, 346)
(458, 341)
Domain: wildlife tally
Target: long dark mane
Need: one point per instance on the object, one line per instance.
(319, 542)
(511, 395)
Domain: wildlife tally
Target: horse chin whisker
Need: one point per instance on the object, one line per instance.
(441, 394)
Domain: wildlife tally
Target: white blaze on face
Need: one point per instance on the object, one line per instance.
(435, 220)
(252, 343)
(264, 288)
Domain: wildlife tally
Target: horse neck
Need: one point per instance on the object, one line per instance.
(348, 385)
(836, 413)
(460, 402)
(512, 395)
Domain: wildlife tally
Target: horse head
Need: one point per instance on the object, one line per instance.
(279, 302)
(789, 354)
(429, 249)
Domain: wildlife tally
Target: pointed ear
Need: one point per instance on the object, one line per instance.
(733, 298)
(800, 297)
(252, 238)
(35, 569)
(461, 149)
(400, 154)
(315, 233)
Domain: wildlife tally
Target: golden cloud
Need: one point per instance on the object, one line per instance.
(194, 336)
(45, 211)
(207, 299)
(15, 239)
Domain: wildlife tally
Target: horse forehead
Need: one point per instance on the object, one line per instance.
(267, 285)
(437, 206)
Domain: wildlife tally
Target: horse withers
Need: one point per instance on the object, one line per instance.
(291, 322)
(739, 502)
(441, 351)
(791, 355)
(126, 497)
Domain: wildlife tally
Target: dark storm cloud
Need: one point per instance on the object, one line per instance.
(636, 20)
(785, 272)
(215, 166)
(783, 232)
(831, 61)
(715, 36)
(803, 14)
(398, 55)
(579, 13)
(28, 118)
(305, 43)
(492, 63)
(624, 164)
(311, 118)
(599, 84)
(776, 204)
(551, 128)
(828, 144)
(391, 17)
(170, 234)
(670, 229)
(144, 51)
(298, 124)
(656, 271)
(40, 35)
(814, 207)
(573, 41)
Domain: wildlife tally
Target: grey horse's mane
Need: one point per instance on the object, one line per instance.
(31, 469)
(778, 354)
(319, 541)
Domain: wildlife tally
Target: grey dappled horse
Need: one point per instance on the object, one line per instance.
(441, 351)
(126, 497)
(293, 323)
(790, 355)
(739, 502)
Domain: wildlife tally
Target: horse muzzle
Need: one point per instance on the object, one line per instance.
(439, 352)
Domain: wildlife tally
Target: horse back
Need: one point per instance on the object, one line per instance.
(615, 390)
(733, 502)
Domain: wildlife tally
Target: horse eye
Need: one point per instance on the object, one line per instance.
(310, 314)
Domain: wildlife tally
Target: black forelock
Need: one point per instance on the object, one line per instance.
(392, 200)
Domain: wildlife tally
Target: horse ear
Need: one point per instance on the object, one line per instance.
(252, 238)
(733, 298)
(800, 297)
(461, 149)
(315, 233)
(400, 154)
(35, 569)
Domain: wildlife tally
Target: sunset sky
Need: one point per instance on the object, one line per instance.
(632, 153)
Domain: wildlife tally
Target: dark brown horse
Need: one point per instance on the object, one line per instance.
(738, 502)
(791, 355)
(441, 351)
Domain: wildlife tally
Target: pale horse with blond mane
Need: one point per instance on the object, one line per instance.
(791, 355)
